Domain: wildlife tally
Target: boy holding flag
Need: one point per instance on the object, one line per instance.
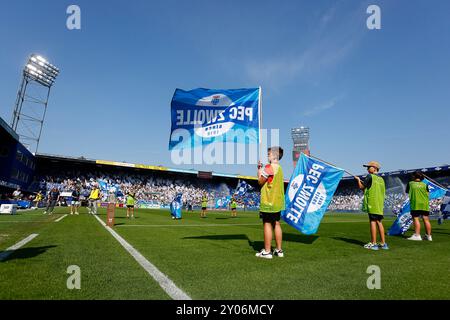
(374, 193)
(270, 178)
(420, 206)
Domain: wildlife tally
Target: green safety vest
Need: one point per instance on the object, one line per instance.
(204, 202)
(374, 196)
(233, 204)
(418, 196)
(130, 201)
(272, 193)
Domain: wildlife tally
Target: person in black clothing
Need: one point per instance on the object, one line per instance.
(53, 197)
(75, 203)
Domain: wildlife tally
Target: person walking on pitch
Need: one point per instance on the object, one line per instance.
(130, 200)
(53, 197)
(418, 192)
(270, 178)
(374, 194)
(204, 204)
(233, 207)
(93, 199)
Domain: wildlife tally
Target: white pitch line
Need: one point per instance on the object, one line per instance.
(59, 219)
(165, 283)
(18, 245)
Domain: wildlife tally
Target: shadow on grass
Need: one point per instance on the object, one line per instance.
(223, 218)
(352, 241)
(24, 253)
(221, 237)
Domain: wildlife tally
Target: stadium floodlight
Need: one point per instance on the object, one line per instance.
(31, 104)
(40, 70)
(300, 137)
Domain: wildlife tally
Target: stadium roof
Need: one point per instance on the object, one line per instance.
(409, 171)
(216, 174)
(142, 166)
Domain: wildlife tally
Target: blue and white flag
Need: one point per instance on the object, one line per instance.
(404, 219)
(309, 193)
(202, 116)
(175, 206)
(242, 188)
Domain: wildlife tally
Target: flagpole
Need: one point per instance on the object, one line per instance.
(332, 165)
(260, 121)
(435, 182)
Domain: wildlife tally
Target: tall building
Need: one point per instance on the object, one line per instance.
(300, 136)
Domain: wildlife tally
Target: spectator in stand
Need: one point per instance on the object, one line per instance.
(17, 194)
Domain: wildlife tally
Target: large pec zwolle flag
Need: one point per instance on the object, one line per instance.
(309, 193)
(202, 116)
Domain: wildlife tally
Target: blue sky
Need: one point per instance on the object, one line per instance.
(365, 94)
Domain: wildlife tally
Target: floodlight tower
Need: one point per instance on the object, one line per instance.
(32, 100)
(300, 136)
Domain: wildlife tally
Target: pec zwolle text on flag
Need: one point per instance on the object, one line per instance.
(309, 193)
(202, 116)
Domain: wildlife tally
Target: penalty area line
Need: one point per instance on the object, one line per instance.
(60, 218)
(164, 281)
(5, 254)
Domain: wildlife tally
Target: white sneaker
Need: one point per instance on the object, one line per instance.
(415, 237)
(278, 253)
(428, 237)
(76, 213)
(264, 254)
(45, 212)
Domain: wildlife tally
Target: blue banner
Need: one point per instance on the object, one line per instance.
(309, 193)
(222, 202)
(175, 206)
(404, 219)
(202, 116)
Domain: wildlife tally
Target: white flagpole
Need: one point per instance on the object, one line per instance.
(260, 121)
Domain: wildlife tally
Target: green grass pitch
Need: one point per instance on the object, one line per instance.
(214, 258)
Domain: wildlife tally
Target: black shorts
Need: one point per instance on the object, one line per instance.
(375, 217)
(270, 217)
(418, 213)
(130, 205)
(203, 208)
(233, 209)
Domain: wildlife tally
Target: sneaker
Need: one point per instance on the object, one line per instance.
(45, 212)
(415, 237)
(370, 245)
(264, 254)
(428, 237)
(278, 253)
(76, 213)
(383, 246)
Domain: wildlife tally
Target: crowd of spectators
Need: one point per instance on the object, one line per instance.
(145, 187)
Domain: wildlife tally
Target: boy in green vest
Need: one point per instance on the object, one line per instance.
(270, 178)
(374, 193)
(420, 206)
(130, 201)
(204, 204)
(233, 206)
